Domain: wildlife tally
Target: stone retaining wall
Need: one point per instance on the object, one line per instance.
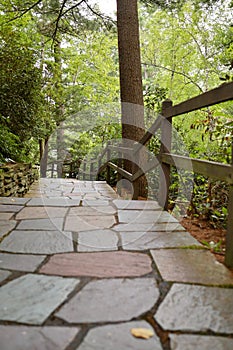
(15, 179)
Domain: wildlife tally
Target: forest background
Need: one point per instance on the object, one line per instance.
(59, 59)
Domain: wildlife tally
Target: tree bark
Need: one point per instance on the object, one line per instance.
(132, 109)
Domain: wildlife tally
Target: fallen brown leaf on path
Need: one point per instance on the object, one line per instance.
(143, 333)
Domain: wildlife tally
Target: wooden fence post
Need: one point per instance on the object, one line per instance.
(165, 169)
(91, 168)
(84, 169)
(119, 176)
(108, 167)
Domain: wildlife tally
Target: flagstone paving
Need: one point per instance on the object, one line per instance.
(80, 267)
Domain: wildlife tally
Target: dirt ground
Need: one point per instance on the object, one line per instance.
(213, 238)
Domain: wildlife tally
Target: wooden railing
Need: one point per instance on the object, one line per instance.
(166, 159)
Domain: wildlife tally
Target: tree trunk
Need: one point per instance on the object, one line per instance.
(44, 150)
(59, 106)
(132, 108)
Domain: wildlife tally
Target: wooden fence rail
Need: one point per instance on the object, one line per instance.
(166, 159)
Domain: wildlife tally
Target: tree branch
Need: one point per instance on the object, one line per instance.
(23, 12)
(175, 72)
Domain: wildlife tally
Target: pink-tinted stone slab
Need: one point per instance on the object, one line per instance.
(119, 337)
(202, 342)
(106, 264)
(41, 213)
(191, 266)
(88, 223)
(111, 300)
(195, 308)
(36, 338)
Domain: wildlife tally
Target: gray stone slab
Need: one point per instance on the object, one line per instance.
(31, 298)
(160, 227)
(196, 342)
(6, 226)
(37, 242)
(136, 205)
(197, 309)
(118, 337)
(52, 224)
(36, 338)
(88, 223)
(6, 216)
(111, 300)
(144, 216)
(98, 240)
(4, 275)
(41, 213)
(13, 200)
(4, 208)
(49, 202)
(156, 240)
(20, 262)
(191, 266)
(80, 211)
(95, 203)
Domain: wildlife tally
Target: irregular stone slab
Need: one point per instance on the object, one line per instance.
(156, 240)
(77, 211)
(88, 223)
(36, 338)
(13, 200)
(111, 300)
(160, 227)
(49, 202)
(145, 216)
(41, 213)
(20, 262)
(98, 240)
(114, 264)
(6, 226)
(191, 266)
(135, 204)
(194, 342)
(31, 298)
(4, 275)
(6, 216)
(118, 337)
(197, 308)
(10, 208)
(37, 242)
(95, 203)
(41, 224)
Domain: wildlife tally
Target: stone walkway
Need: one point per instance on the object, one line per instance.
(80, 268)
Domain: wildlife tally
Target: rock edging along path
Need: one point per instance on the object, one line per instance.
(81, 268)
